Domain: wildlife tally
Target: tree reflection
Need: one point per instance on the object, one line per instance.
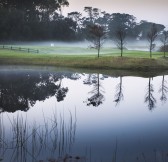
(163, 90)
(97, 98)
(149, 98)
(119, 92)
(19, 91)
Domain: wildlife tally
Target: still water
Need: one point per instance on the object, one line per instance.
(62, 115)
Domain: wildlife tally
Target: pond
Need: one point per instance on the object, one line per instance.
(67, 115)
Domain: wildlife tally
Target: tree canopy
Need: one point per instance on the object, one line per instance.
(43, 20)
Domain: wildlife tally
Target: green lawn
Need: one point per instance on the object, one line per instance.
(85, 58)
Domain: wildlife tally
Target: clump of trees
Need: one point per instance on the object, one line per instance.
(42, 20)
(164, 41)
(151, 37)
(120, 39)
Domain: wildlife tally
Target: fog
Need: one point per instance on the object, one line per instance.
(82, 47)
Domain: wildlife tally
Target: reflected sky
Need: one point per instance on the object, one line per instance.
(137, 130)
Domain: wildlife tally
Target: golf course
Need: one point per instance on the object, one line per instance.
(82, 57)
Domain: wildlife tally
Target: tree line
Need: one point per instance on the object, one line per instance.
(42, 20)
(22, 20)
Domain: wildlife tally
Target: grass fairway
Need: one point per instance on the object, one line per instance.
(78, 57)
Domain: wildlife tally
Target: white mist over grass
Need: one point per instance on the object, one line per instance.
(83, 47)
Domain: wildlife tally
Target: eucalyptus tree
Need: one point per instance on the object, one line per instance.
(151, 37)
(123, 21)
(164, 40)
(120, 39)
(98, 35)
(142, 29)
(76, 17)
(93, 14)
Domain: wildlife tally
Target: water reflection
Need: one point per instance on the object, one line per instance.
(19, 91)
(119, 92)
(97, 97)
(163, 90)
(149, 98)
(50, 130)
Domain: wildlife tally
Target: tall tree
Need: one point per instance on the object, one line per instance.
(34, 7)
(143, 28)
(93, 14)
(98, 35)
(120, 39)
(124, 21)
(151, 37)
(164, 40)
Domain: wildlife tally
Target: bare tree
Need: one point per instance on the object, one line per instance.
(164, 40)
(151, 37)
(120, 36)
(98, 36)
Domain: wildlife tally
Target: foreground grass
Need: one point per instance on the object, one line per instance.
(132, 60)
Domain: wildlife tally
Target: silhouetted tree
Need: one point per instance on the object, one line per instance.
(125, 22)
(93, 14)
(164, 40)
(119, 93)
(76, 17)
(104, 19)
(142, 29)
(120, 36)
(149, 98)
(163, 90)
(98, 36)
(151, 37)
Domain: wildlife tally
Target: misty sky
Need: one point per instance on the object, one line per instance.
(150, 10)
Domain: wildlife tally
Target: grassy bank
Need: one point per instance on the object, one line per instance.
(132, 60)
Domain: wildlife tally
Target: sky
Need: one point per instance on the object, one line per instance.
(151, 10)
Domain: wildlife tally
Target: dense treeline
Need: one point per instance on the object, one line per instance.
(42, 20)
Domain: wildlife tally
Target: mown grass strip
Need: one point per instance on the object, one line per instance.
(131, 60)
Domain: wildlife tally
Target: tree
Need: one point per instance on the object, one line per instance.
(34, 8)
(124, 21)
(164, 40)
(120, 36)
(93, 14)
(143, 27)
(151, 37)
(76, 17)
(98, 35)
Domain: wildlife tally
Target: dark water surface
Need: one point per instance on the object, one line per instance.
(63, 115)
